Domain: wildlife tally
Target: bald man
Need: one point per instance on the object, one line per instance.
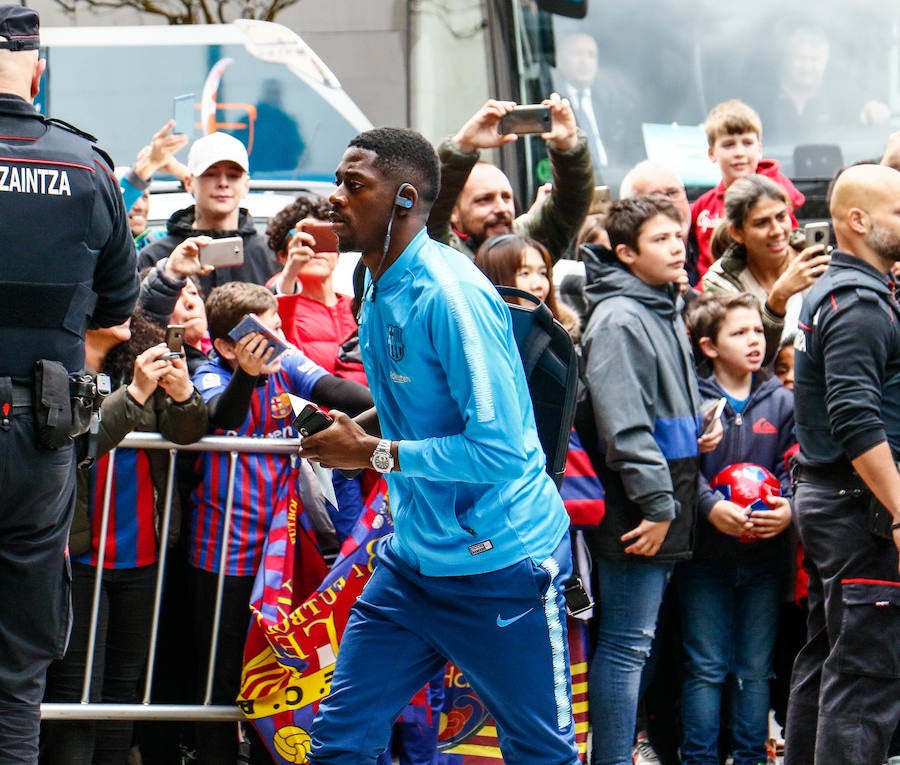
(653, 177)
(845, 689)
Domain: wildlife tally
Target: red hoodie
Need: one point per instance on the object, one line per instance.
(708, 210)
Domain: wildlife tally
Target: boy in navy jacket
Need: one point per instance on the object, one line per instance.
(730, 592)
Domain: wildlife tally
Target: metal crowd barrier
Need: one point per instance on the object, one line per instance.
(146, 710)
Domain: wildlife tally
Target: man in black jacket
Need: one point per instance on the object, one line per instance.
(845, 689)
(218, 179)
(66, 262)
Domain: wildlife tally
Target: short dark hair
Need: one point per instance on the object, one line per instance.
(706, 314)
(304, 206)
(404, 156)
(228, 303)
(625, 217)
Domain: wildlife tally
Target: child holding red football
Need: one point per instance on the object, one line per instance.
(730, 592)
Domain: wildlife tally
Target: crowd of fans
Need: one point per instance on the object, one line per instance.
(681, 305)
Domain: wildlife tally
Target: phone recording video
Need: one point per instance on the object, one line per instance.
(174, 341)
(817, 233)
(222, 253)
(524, 120)
(325, 239)
(183, 114)
(252, 323)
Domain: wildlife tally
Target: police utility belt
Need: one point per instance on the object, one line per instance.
(65, 405)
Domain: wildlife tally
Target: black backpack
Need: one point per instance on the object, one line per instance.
(551, 368)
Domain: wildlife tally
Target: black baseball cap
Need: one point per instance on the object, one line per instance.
(19, 25)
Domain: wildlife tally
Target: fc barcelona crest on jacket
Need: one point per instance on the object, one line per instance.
(395, 341)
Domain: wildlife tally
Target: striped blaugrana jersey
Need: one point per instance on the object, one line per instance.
(258, 477)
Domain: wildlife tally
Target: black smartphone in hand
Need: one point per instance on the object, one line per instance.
(311, 419)
(524, 120)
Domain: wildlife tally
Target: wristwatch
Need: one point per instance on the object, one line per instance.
(382, 459)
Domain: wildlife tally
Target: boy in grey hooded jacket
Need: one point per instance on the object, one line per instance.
(643, 391)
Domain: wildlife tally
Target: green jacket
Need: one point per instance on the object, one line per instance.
(182, 423)
(554, 224)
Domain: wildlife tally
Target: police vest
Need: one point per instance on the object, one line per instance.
(811, 420)
(48, 188)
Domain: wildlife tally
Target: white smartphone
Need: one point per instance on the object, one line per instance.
(712, 414)
(183, 114)
(817, 233)
(221, 253)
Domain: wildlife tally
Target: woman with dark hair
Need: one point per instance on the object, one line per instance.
(760, 259)
(512, 260)
(151, 393)
(315, 318)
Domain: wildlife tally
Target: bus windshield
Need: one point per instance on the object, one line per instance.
(824, 78)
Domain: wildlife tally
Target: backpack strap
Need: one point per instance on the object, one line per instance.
(533, 346)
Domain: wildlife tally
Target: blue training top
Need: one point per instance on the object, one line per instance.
(444, 370)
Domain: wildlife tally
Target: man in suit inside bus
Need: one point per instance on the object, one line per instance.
(602, 100)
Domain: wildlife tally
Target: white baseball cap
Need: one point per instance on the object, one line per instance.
(216, 147)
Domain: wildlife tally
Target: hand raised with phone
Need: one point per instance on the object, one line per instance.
(564, 132)
(309, 237)
(257, 347)
(481, 130)
(184, 260)
(802, 271)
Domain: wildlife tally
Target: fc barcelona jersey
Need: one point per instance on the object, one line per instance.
(258, 477)
(131, 531)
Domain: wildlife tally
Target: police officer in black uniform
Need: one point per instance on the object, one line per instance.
(67, 260)
(845, 688)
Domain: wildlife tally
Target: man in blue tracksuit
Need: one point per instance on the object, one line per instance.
(474, 569)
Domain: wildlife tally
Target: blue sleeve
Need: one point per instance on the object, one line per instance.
(302, 373)
(472, 338)
(211, 380)
(130, 193)
(132, 187)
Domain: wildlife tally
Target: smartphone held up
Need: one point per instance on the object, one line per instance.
(324, 239)
(525, 120)
(223, 253)
(174, 341)
(183, 114)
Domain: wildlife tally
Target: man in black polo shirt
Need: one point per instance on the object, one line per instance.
(845, 689)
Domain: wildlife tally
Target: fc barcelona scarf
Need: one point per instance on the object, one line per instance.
(299, 611)
(468, 734)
